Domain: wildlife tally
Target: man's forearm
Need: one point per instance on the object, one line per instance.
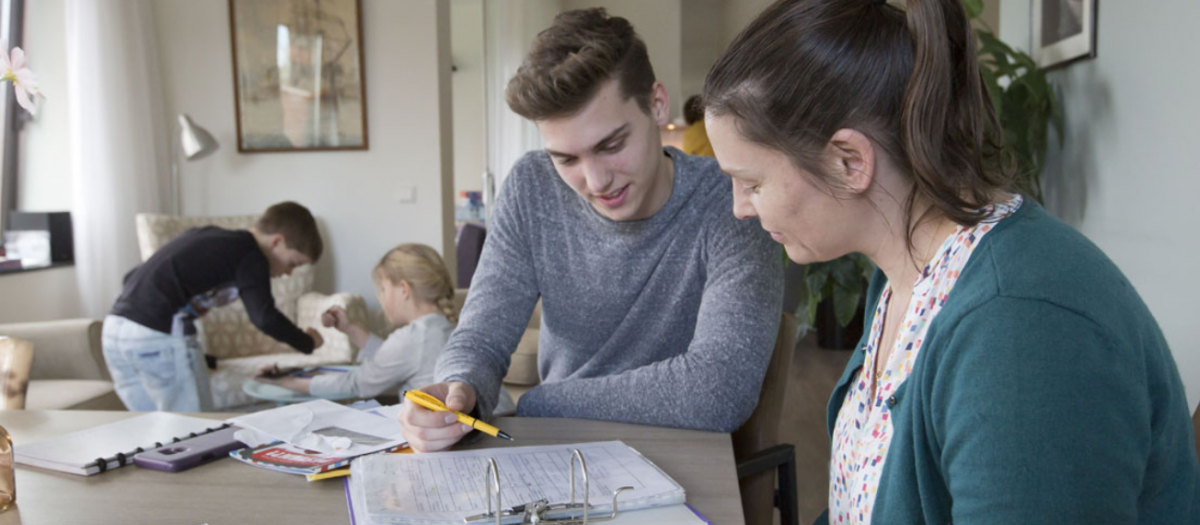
(672, 394)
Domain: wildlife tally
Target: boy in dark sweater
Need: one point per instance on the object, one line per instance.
(149, 338)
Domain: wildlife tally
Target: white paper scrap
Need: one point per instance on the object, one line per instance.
(326, 427)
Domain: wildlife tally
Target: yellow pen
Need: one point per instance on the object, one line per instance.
(435, 404)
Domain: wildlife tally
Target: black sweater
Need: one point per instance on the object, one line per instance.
(197, 263)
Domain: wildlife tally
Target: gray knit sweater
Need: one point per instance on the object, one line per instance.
(665, 321)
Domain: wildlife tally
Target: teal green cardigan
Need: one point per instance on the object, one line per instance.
(1045, 393)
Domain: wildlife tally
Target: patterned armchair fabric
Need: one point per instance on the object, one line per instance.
(227, 332)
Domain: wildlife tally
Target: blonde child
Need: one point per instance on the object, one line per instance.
(416, 293)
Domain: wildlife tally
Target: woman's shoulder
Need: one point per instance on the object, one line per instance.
(1035, 256)
(1036, 279)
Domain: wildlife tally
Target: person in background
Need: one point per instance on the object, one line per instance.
(417, 295)
(695, 137)
(149, 338)
(1009, 372)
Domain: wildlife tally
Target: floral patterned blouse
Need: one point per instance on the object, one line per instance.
(863, 429)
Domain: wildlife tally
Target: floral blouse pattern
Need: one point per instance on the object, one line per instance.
(863, 430)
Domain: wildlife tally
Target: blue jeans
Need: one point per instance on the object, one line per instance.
(152, 370)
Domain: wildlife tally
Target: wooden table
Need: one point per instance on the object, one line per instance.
(229, 492)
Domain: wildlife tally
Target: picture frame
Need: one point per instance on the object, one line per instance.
(1063, 31)
(299, 75)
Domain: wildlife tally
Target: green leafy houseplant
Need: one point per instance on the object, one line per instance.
(1024, 101)
(844, 279)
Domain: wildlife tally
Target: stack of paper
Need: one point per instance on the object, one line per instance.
(324, 426)
(446, 487)
(316, 437)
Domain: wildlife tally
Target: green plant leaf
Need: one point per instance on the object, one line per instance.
(1025, 101)
(846, 273)
(845, 305)
(814, 300)
(816, 278)
(974, 8)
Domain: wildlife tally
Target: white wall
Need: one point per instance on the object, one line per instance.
(1126, 173)
(659, 23)
(39, 295)
(738, 14)
(703, 42)
(44, 174)
(470, 124)
(356, 195)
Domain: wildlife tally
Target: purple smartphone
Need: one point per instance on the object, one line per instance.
(190, 452)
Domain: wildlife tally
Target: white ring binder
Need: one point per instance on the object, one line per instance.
(542, 511)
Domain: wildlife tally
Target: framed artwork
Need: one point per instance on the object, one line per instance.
(1063, 31)
(298, 77)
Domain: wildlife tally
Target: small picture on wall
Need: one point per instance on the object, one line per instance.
(1063, 31)
(299, 83)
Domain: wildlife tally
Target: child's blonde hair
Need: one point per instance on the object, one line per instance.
(425, 272)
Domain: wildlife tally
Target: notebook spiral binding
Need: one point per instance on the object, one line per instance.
(124, 458)
(541, 511)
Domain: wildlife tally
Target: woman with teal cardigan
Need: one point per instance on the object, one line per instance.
(1008, 372)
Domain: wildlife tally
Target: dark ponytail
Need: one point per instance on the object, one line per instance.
(908, 80)
(949, 126)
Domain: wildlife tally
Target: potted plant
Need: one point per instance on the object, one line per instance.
(836, 291)
(1024, 99)
(1026, 105)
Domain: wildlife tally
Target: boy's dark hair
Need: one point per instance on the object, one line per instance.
(296, 224)
(571, 59)
(693, 110)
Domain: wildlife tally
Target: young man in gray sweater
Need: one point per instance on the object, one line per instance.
(659, 307)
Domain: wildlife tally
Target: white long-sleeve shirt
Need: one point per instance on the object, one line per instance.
(405, 360)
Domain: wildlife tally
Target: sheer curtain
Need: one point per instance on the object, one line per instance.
(118, 139)
(510, 27)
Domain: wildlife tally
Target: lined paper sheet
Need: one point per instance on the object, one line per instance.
(448, 486)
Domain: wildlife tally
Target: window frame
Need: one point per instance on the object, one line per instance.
(14, 118)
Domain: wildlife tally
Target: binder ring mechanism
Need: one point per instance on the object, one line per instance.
(541, 511)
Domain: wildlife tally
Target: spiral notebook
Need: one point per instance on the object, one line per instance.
(98, 449)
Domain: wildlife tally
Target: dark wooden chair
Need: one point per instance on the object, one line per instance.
(761, 458)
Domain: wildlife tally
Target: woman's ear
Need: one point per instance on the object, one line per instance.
(404, 289)
(853, 158)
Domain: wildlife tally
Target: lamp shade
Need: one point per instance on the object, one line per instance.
(196, 141)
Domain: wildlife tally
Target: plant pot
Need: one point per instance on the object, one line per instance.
(831, 335)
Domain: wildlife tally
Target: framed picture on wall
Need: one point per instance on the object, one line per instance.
(298, 76)
(1063, 31)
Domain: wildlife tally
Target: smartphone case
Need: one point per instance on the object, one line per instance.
(191, 452)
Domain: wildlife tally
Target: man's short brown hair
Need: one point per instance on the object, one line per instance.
(571, 59)
(296, 224)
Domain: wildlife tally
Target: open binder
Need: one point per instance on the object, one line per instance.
(516, 485)
(98, 449)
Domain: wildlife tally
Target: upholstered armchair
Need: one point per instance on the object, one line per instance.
(227, 333)
(67, 372)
